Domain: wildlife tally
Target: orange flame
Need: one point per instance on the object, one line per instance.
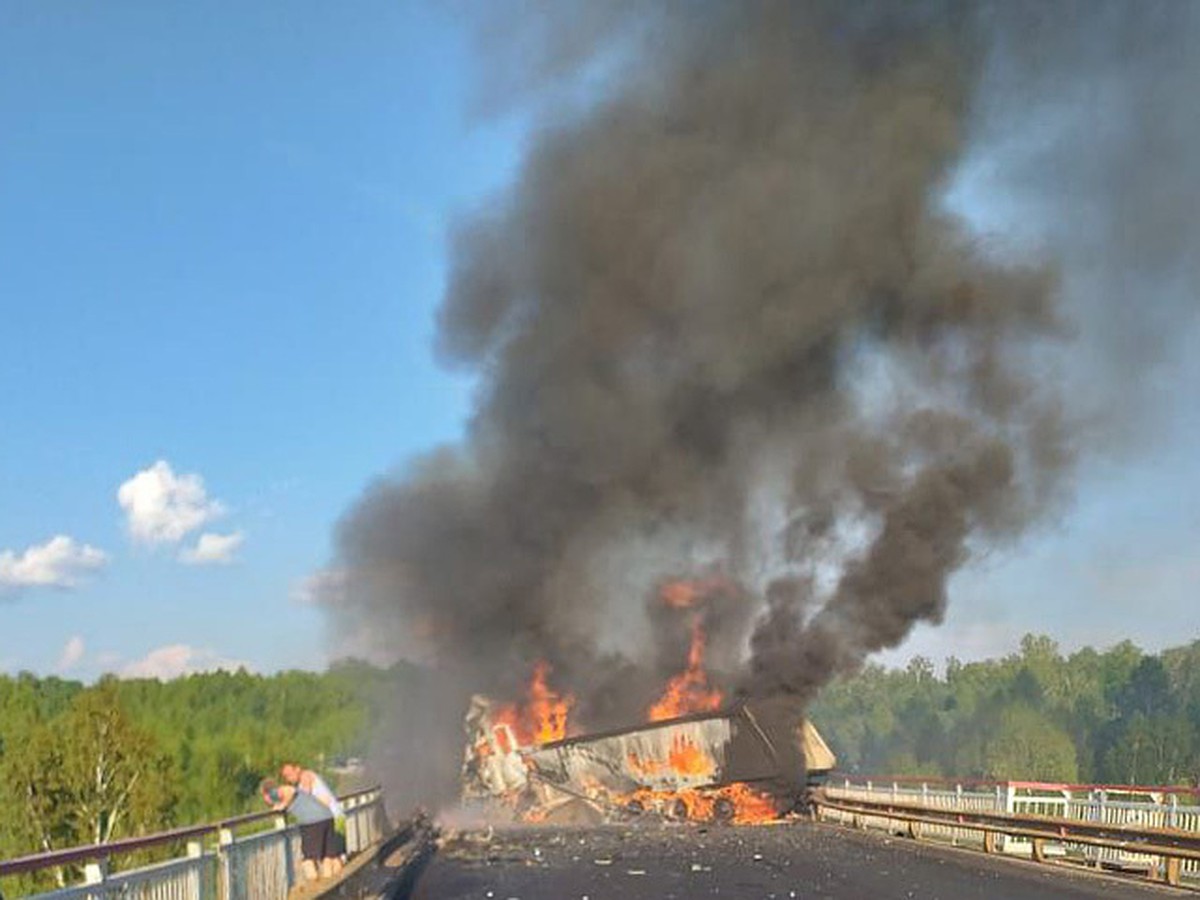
(736, 804)
(684, 758)
(680, 594)
(686, 804)
(687, 593)
(750, 807)
(688, 759)
(549, 708)
(689, 691)
(649, 767)
(542, 717)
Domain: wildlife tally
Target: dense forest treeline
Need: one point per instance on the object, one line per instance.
(80, 764)
(122, 757)
(1116, 716)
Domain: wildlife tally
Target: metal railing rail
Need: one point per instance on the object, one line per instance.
(221, 861)
(1130, 805)
(1170, 847)
(977, 784)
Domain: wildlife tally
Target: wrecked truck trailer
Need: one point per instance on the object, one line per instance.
(703, 766)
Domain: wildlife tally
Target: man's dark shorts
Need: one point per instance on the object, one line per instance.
(318, 841)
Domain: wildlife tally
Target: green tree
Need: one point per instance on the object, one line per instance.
(1152, 749)
(89, 776)
(1025, 744)
(37, 792)
(117, 779)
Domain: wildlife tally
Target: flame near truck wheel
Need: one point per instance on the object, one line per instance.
(696, 758)
(747, 764)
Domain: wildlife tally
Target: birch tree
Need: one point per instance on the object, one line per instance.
(117, 780)
(88, 776)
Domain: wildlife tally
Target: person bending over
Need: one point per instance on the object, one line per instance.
(320, 844)
(309, 782)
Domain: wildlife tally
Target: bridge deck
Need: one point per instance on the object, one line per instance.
(777, 861)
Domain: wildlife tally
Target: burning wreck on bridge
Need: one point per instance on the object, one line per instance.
(727, 767)
(696, 757)
(724, 324)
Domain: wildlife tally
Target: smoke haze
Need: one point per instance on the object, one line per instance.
(724, 323)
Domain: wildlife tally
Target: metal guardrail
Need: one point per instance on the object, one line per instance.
(222, 860)
(1159, 835)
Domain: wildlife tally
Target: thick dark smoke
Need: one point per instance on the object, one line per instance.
(723, 323)
(1105, 177)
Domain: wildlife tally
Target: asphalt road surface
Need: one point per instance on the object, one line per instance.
(795, 860)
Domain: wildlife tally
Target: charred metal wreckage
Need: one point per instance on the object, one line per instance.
(749, 763)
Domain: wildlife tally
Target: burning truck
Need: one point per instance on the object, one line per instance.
(697, 757)
(746, 764)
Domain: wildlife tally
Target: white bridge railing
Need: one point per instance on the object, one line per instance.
(1119, 805)
(254, 857)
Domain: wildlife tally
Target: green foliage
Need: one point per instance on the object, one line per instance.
(125, 757)
(117, 779)
(87, 775)
(1025, 745)
(194, 749)
(1117, 716)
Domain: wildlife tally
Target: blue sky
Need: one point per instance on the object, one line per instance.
(222, 245)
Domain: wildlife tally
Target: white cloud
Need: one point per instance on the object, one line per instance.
(162, 507)
(72, 653)
(60, 563)
(212, 549)
(176, 660)
(324, 587)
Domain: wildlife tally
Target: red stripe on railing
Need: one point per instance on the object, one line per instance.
(878, 780)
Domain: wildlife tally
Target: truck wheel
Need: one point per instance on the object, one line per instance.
(724, 810)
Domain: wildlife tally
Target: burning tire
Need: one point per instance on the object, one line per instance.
(724, 811)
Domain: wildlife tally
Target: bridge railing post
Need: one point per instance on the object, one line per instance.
(1172, 868)
(96, 873)
(195, 878)
(351, 834)
(369, 823)
(287, 859)
(225, 867)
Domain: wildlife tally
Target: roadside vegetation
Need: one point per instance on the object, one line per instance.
(126, 757)
(1116, 716)
(80, 764)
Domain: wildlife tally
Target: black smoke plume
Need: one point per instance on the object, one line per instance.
(723, 322)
